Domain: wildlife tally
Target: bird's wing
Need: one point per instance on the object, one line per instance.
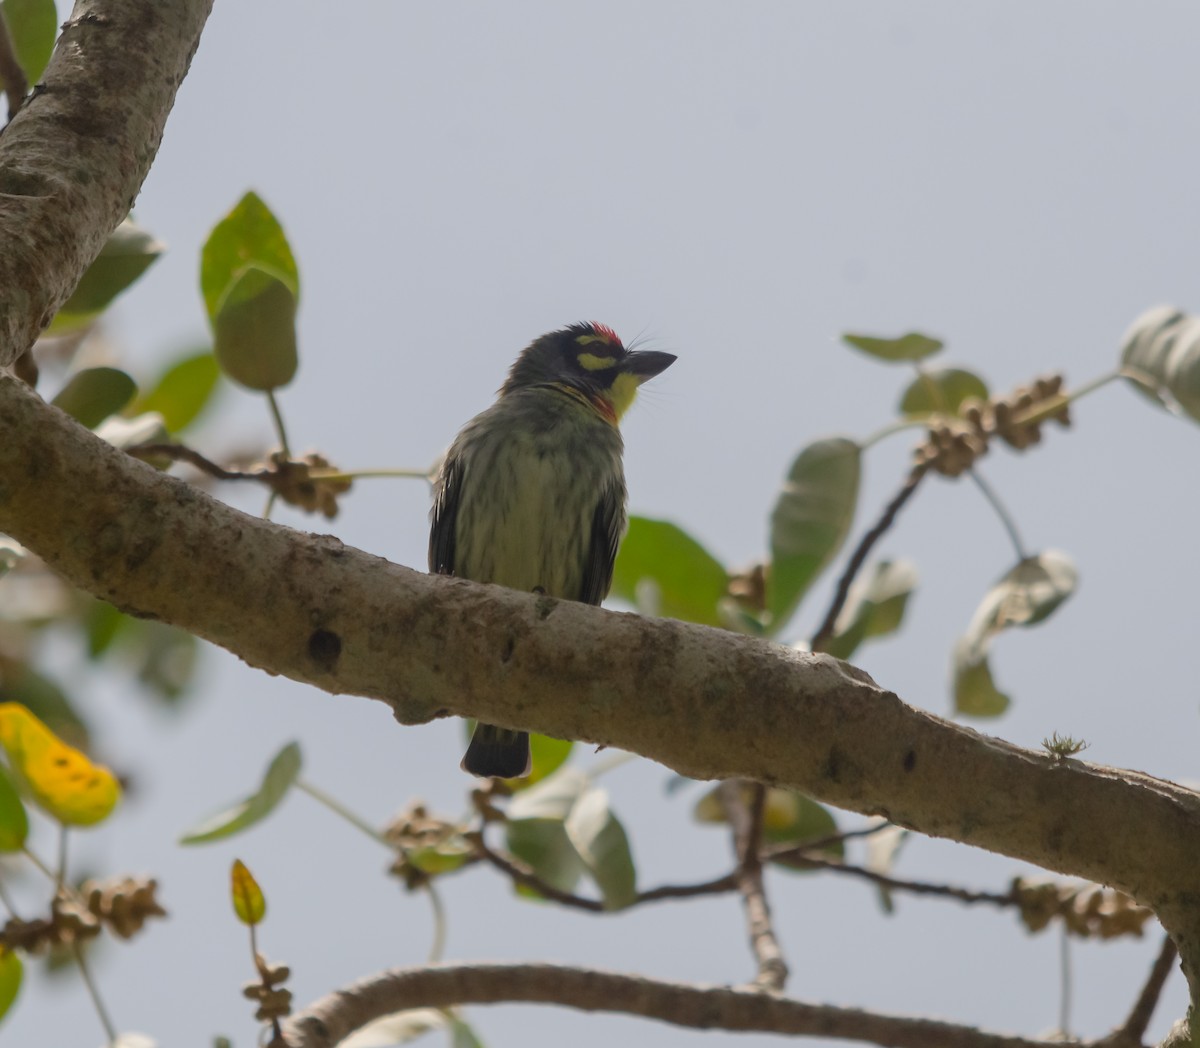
(608, 524)
(444, 516)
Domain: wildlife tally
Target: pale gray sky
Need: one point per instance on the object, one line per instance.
(743, 182)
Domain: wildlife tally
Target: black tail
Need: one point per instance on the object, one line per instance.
(497, 752)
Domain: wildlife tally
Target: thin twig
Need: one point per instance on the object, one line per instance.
(11, 72)
(521, 874)
(1139, 1018)
(781, 853)
(1006, 518)
(1064, 972)
(915, 887)
(865, 544)
(746, 822)
(182, 453)
(105, 1020)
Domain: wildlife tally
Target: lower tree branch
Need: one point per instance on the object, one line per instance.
(333, 1018)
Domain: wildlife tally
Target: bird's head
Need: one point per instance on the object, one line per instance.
(589, 360)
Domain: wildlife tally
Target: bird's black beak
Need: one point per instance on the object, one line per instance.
(644, 364)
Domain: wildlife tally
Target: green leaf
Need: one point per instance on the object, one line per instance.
(167, 657)
(182, 391)
(126, 255)
(14, 822)
(913, 346)
(281, 773)
(600, 839)
(1163, 344)
(33, 26)
(548, 755)
(93, 394)
(811, 520)
(686, 581)
(941, 392)
(462, 1036)
(255, 331)
(535, 831)
(47, 701)
(975, 693)
(250, 235)
(789, 817)
(11, 972)
(874, 607)
(1027, 594)
(101, 624)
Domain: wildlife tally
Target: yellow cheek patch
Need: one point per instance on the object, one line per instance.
(590, 360)
(623, 390)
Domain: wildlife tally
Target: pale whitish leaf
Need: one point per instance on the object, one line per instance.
(874, 607)
(601, 841)
(399, 1028)
(11, 554)
(129, 432)
(882, 849)
(1163, 346)
(133, 1040)
(1025, 596)
(535, 832)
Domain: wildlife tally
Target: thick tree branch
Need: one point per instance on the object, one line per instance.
(308, 607)
(333, 1018)
(74, 158)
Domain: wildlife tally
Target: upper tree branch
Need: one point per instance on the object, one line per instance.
(309, 608)
(74, 158)
(333, 1018)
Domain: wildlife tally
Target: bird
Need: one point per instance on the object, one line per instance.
(531, 494)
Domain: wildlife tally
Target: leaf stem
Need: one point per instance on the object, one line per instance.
(105, 1020)
(39, 864)
(1006, 519)
(892, 428)
(339, 809)
(1064, 967)
(437, 949)
(277, 416)
(62, 856)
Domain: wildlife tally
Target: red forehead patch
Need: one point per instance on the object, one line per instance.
(606, 333)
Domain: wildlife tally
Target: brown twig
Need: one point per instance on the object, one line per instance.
(1134, 1028)
(915, 887)
(524, 875)
(865, 545)
(814, 844)
(182, 453)
(332, 1019)
(11, 72)
(746, 821)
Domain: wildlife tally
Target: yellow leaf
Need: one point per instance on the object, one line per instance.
(61, 778)
(249, 903)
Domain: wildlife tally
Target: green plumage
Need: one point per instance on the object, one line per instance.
(531, 494)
